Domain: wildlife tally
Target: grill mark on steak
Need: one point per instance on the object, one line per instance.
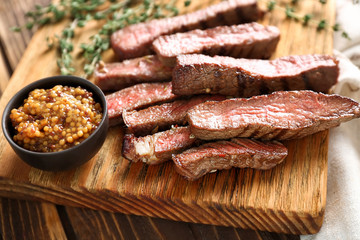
(183, 29)
(276, 134)
(194, 74)
(251, 40)
(248, 85)
(248, 131)
(203, 24)
(285, 84)
(239, 12)
(116, 76)
(237, 152)
(223, 50)
(245, 131)
(135, 97)
(157, 148)
(159, 117)
(135, 40)
(220, 18)
(241, 83)
(254, 132)
(263, 88)
(296, 113)
(305, 79)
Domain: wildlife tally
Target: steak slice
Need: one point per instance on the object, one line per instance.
(197, 74)
(251, 40)
(119, 75)
(137, 96)
(135, 40)
(280, 115)
(145, 121)
(159, 147)
(237, 152)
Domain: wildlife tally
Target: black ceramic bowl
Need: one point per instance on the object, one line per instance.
(68, 158)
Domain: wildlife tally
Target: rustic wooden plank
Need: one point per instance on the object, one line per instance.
(275, 236)
(4, 72)
(238, 197)
(13, 14)
(26, 220)
(87, 222)
(174, 230)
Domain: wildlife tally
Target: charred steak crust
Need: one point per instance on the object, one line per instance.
(159, 147)
(135, 40)
(251, 40)
(280, 115)
(159, 117)
(237, 152)
(196, 74)
(119, 75)
(135, 97)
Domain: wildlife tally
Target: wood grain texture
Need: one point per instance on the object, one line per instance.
(243, 198)
(13, 14)
(30, 222)
(86, 222)
(4, 76)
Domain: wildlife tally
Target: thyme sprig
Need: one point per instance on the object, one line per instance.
(306, 19)
(143, 12)
(116, 14)
(64, 62)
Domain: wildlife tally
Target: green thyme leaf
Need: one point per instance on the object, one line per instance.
(187, 3)
(321, 25)
(271, 5)
(306, 19)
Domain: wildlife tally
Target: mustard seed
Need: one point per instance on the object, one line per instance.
(52, 119)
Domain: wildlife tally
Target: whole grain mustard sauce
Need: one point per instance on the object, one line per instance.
(55, 119)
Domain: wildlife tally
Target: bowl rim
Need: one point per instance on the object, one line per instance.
(36, 84)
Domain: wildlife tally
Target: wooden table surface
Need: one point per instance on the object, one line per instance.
(38, 220)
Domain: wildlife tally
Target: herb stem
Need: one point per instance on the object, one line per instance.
(305, 19)
(65, 61)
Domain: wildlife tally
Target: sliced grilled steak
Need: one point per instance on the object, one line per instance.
(197, 74)
(159, 147)
(238, 152)
(251, 40)
(145, 121)
(135, 40)
(119, 75)
(280, 115)
(137, 96)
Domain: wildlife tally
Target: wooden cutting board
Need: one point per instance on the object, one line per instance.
(290, 198)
